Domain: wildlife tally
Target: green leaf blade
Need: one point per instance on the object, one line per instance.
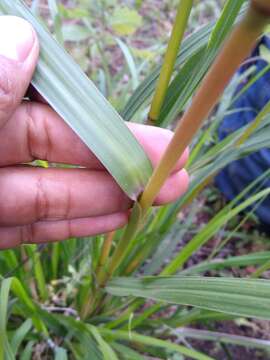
(241, 297)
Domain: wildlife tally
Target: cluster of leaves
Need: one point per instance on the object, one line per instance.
(59, 302)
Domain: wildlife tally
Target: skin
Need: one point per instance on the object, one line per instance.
(42, 205)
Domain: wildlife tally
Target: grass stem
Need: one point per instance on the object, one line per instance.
(105, 252)
(176, 38)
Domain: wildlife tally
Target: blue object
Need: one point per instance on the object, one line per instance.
(239, 174)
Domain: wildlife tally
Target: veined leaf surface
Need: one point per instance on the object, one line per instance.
(243, 297)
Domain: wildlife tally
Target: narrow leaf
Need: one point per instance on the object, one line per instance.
(235, 262)
(151, 341)
(6, 352)
(105, 348)
(20, 334)
(242, 297)
(223, 338)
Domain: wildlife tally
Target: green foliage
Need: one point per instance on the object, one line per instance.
(241, 297)
(125, 21)
(44, 290)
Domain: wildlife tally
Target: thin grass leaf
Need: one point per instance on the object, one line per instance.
(126, 352)
(82, 106)
(196, 316)
(257, 121)
(176, 37)
(151, 341)
(6, 352)
(232, 262)
(55, 256)
(259, 272)
(20, 334)
(27, 352)
(224, 24)
(241, 297)
(105, 348)
(60, 354)
(34, 254)
(31, 308)
(224, 338)
(130, 62)
(53, 7)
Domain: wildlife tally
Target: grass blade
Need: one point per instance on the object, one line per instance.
(6, 352)
(105, 348)
(223, 338)
(27, 352)
(31, 309)
(180, 24)
(20, 334)
(241, 297)
(60, 354)
(150, 341)
(259, 258)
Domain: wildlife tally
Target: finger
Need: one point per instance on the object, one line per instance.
(175, 186)
(48, 231)
(37, 132)
(31, 194)
(18, 57)
(155, 140)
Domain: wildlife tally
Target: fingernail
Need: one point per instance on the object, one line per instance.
(17, 38)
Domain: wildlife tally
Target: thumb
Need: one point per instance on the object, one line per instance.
(18, 57)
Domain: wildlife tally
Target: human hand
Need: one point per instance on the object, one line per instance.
(42, 205)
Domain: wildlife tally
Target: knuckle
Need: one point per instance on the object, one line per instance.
(67, 203)
(41, 199)
(69, 229)
(52, 199)
(38, 137)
